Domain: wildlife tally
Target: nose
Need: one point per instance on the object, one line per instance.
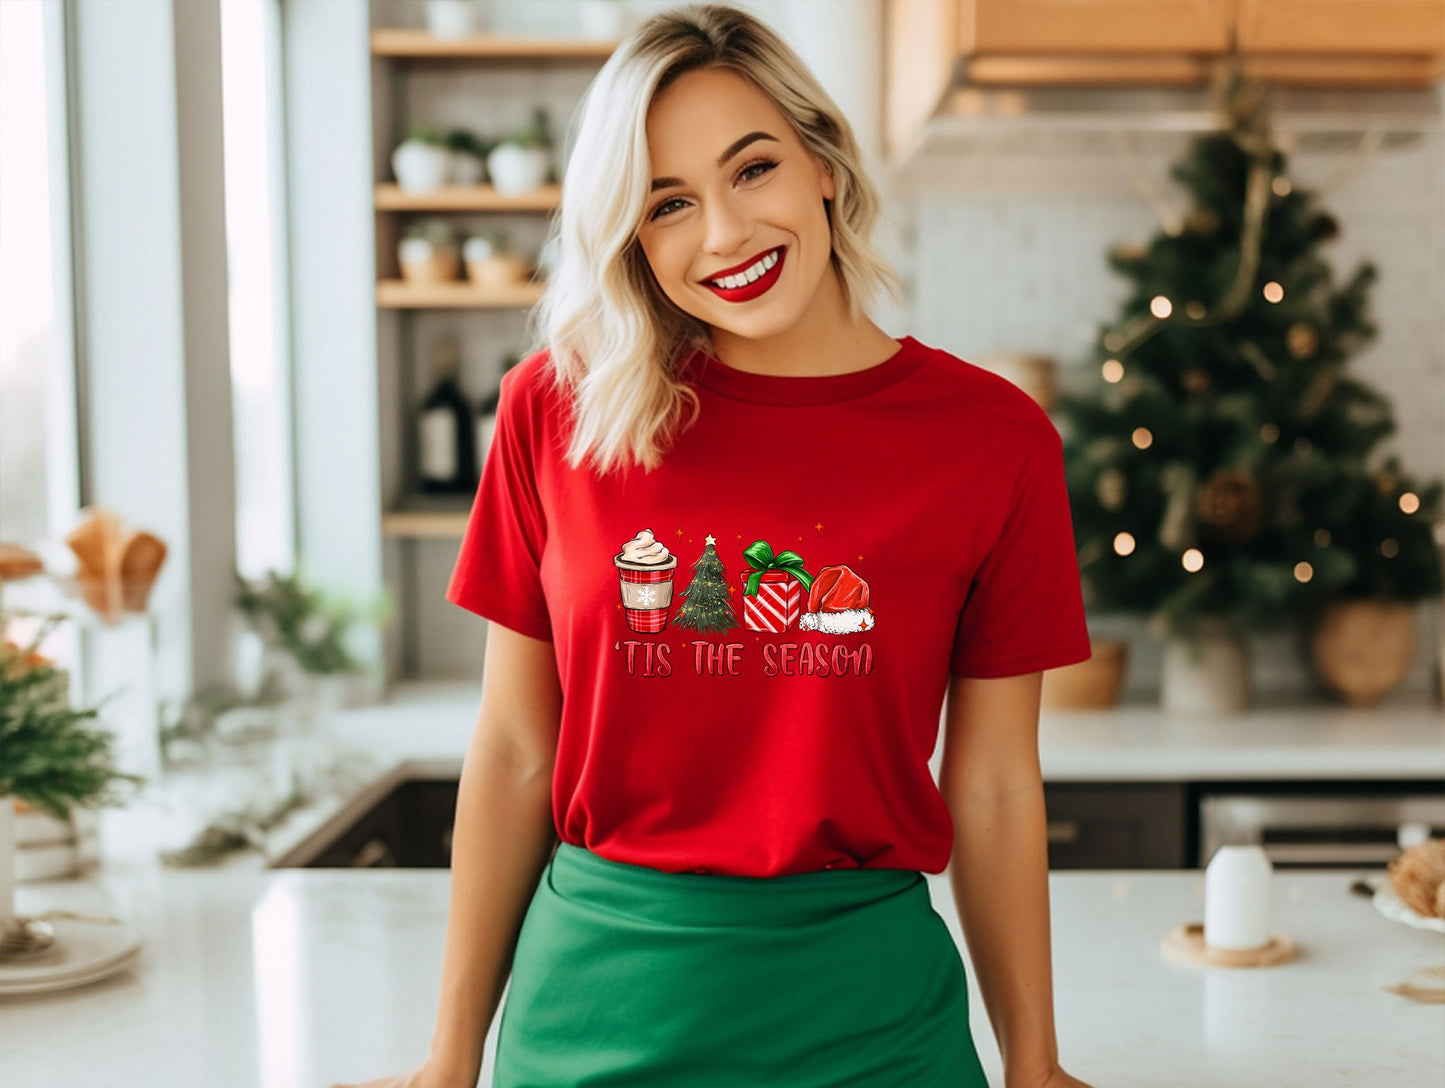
(726, 228)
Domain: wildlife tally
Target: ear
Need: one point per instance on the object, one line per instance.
(827, 183)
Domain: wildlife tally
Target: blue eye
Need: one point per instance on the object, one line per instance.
(761, 165)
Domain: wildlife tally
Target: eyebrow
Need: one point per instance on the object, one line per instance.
(732, 149)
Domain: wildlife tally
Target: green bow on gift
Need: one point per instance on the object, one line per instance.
(760, 557)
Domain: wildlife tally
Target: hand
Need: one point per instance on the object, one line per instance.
(1053, 1078)
(427, 1076)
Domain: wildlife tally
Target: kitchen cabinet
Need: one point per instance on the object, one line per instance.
(934, 47)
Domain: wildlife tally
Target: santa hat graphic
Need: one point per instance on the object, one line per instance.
(837, 603)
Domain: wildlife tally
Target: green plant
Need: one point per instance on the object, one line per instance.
(427, 134)
(49, 758)
(436, 231)
(461, 139)
(536, 134)
(308, 624)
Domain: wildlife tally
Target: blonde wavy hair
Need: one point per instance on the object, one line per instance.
(616, 342)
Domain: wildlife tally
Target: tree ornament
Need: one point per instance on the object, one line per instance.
(1112, 488)
(1201, 221)
(1302, 340)
(1176, 531)
(1231, 505)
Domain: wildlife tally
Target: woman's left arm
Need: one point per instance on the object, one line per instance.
(991, 780)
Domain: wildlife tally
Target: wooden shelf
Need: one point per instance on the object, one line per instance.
(460, 294)
(391, 197)
(425, 524)
(404, 43)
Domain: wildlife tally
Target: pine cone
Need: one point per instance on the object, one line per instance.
(1418, 877)
(1230, 504)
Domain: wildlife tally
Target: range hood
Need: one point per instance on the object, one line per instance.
(1306, 117)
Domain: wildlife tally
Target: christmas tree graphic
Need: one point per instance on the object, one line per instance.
(708, 605)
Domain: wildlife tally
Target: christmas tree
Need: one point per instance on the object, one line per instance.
(709, 606)
(1222, 468)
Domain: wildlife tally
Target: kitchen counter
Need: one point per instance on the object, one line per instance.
(1402, 738)
(298, 978)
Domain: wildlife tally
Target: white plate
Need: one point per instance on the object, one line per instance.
(84, 952)
(1392, 906)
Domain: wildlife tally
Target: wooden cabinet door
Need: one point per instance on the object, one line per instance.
(1359, 27)
(988, 27)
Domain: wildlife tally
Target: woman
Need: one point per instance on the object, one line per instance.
(736, 544)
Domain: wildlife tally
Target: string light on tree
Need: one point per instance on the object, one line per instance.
(1280, 186)
(1409, 502)
(1124, 544)
(1389, 547)
(1142, 438)
(1270, 433)
(1273, 292)
(1322, 538)
(1160, 307)
(1192, 560)
(1303, 572)
(1113, 371)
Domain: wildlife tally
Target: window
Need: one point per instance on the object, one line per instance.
(256, 271)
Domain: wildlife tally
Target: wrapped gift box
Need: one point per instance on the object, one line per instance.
(777, 604)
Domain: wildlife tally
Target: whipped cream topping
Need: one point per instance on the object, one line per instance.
(646, 548)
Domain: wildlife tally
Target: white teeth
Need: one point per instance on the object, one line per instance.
(750, 274)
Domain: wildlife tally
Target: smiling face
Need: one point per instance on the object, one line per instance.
(734, 192)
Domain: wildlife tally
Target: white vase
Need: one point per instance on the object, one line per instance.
(516, 169)
(7, 858)
(1207, 674)
(421, 167)
(450, 19)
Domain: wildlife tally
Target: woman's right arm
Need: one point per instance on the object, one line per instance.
(502, 839)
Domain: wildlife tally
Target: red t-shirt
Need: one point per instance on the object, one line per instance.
(754, 640)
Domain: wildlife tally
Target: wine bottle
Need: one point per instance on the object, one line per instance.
(487, 413)
(447, 462)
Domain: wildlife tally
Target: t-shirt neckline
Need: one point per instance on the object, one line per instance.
(747, 385)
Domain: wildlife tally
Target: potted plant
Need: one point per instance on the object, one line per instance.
(50, 760)
(428, 252)
(522, 160)
(452, 19)
(468, 157)
(423, 161)
(602, 20)
(489, 263)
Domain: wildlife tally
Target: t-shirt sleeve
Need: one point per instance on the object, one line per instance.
(1025, 610)
(498, 568)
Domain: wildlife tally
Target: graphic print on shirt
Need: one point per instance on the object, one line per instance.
(777, 594)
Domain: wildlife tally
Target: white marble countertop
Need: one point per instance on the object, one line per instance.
(298, 978)
(1403, 738)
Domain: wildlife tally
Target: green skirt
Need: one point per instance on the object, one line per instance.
(625, 975)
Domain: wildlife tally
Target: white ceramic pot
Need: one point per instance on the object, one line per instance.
(1206, 675)
(421, 167)
(601, 20)
(467, 169)
(450, 19)
(516, 169)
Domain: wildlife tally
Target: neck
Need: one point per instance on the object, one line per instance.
(825, 340)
